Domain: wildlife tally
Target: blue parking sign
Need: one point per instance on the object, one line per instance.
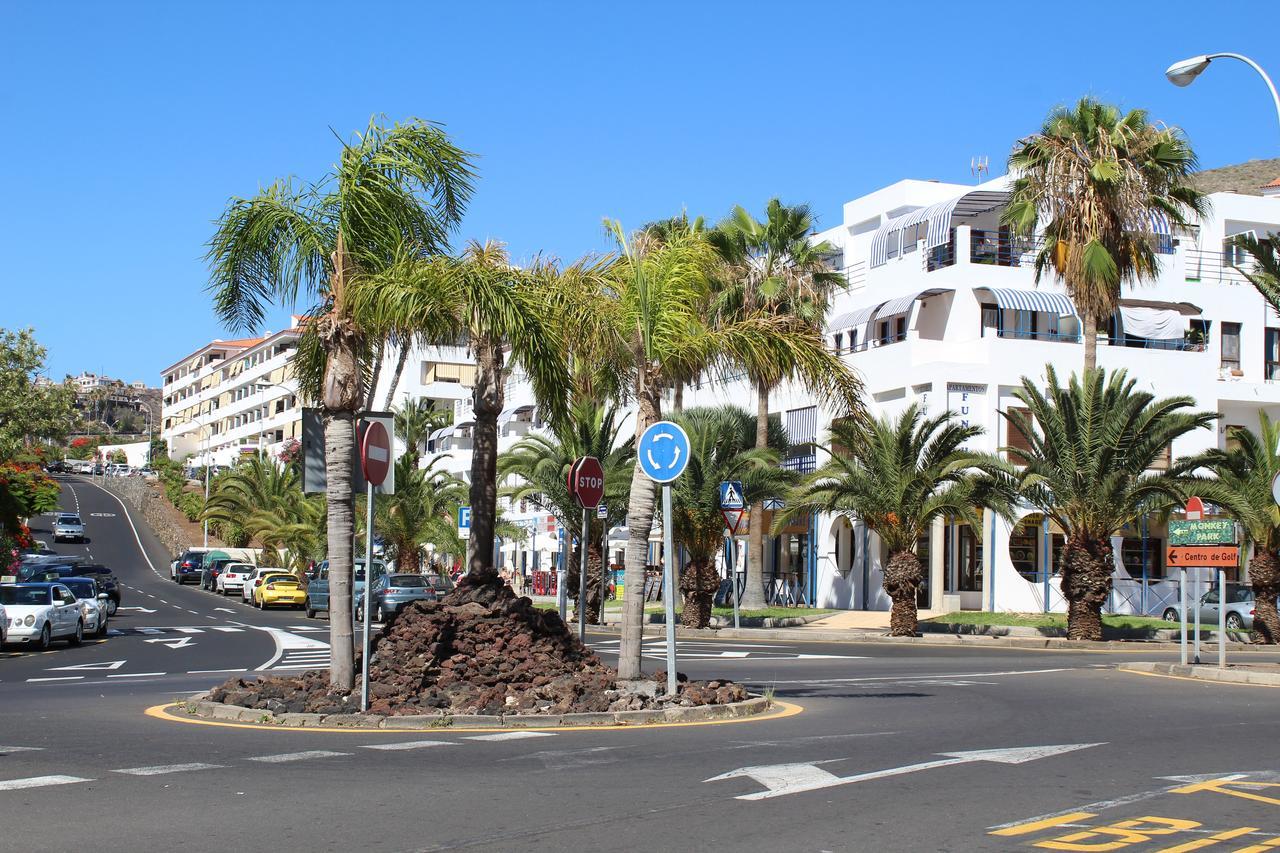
(464, 518)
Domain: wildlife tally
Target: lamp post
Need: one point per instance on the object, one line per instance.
(1184, 72)
(262, 387)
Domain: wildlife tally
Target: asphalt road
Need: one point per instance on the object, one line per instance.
(897, 748)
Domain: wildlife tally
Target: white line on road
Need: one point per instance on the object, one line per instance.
(7, 749)
(408, 744)
(39, 782)
(510, 736)
(905, 678)
(211, 671)
(135, 674)
(298, 756)
(57, 678)
(161, 769)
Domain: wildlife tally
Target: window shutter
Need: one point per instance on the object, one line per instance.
(1014, 436)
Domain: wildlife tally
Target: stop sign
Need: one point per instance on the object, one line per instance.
(375, 453)
(586, 482)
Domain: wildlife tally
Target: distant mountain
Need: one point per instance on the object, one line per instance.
(1243, 178)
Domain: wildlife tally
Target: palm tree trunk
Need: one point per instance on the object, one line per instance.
(377, 373)
(677, 398)
(1087, 565)
(339, 450)
(596, 582)
(753, 595)
(1089, 322)
(1264, 579)
(639, 520)
(484, 460)
(698, 583)
(902, 579)
(395, 383)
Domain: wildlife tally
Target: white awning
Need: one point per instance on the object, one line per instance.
(934, 220)
(1155, 324)
(443, 432)
(902, 304)
(853, 319)
(1033, 300)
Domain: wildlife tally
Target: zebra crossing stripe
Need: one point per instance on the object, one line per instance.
(39, 782)
(510, 736)
(161, 769)
(298, 756)
(409, 744)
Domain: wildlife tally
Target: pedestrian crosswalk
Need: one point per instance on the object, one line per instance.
(721, 651)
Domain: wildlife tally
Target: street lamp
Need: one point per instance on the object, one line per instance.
(1184, 72)
(262, 387)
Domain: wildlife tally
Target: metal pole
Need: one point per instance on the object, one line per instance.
(1196, 604)
(604, 568)
(1182, 614)
(562, 598)
(582, 576)
(733, 576)
(668, 589)
(368, 600)
(1222, 619)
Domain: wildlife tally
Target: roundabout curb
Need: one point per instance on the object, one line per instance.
(198, 710)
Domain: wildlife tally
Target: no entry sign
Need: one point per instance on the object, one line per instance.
(586, 482)
(375, 453)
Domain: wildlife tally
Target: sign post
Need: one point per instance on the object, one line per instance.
(733, 501)
(375, 463)
(586, 484)
(602, 513)
(663, 454)
(1222, 619)
(1182, 607)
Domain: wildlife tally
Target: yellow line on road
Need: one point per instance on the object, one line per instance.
(1205, 681)
(164, 712)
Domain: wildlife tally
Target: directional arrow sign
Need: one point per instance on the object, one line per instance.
(783, 779)
(1203, 555)
(173, 642)
(108, 664)
(148, 610)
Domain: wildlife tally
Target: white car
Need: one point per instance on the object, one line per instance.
(233, 576)
(39, 613)
(254, 579)
(67, 525)
(93, 604)
(4, 626)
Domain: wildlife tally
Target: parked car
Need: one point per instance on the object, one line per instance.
(1239, 615)
(392, 592)
(254, 579)
(107, 583)
(57, 467)
(318, 588)
(188, 567)
(93, 604)
(214, 563)
(40, 613)
(279, 588)
(4, 626)
(46, 571)
(233, 577)
(67, 525)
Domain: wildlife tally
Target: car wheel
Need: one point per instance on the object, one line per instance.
(1234, 622)
(380, 615)
(1171, 615)
(46, 637)
(112, 606)
(102, 627)
(306, 605)
(78, 637)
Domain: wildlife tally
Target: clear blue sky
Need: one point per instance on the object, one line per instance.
(128, 125)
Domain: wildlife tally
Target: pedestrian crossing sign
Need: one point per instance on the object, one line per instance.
(731, 495)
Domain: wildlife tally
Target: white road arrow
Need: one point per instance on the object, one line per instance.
(173, 642)
(109, 664)
(783, 779)
(139, 609)
(229, 610)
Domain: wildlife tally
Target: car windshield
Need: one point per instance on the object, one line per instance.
(70, 519)
(82, 589)
(409, 581)
(24, 595)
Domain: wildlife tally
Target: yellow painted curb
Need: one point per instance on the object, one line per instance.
(163, 712)
(1206, 681)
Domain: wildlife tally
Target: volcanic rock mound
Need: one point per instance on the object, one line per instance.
(480, 650)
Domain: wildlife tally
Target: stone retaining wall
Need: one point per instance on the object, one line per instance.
(153, 508)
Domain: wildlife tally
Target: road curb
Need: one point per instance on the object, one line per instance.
(1203, 672)
(818, 635)
(198, 708)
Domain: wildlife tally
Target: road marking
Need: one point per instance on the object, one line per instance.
(5, 750)
(289, 645)
(174, 642)
(409, 744)
(129, 518)
(57, 678)
(1036, 825)
(39, 782)
(227, 629)
(139, 609)
(783, 779)
(899, 679)
(229, 610)
(106, 664)
(161, 769)
(135, 674)
(196, 630)
(510, 736)
(210, 671)
(298, 756)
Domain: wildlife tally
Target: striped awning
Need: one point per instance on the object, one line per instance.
(853, 319)
(1033, 300)
(443, 432)
(902, 304)
(932, 223)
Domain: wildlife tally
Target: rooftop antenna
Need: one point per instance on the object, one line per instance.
(979, 166)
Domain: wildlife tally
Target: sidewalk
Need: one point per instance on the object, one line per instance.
(1255, 674)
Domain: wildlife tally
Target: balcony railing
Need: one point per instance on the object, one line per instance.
(1029, 335)
(1212, 268)
(1003, 249)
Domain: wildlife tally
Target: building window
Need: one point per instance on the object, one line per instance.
(1014, 436)
(990, 319)
(1273, 354)
(1231, 346)
(839, 339)
(893, 330)
(1233, 443)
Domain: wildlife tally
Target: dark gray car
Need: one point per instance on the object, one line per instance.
(395, 591)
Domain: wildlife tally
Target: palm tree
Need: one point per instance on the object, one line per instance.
(415, 420)
(483, 298)
(423, 510)
(1242, 486)
(776, 270)
(408, 182)
(645, 312)
(541, 465)
(1096, 180)
(1265, 275)
(722, 447)
(897, 476)
(267, 501)
(1092, 447)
